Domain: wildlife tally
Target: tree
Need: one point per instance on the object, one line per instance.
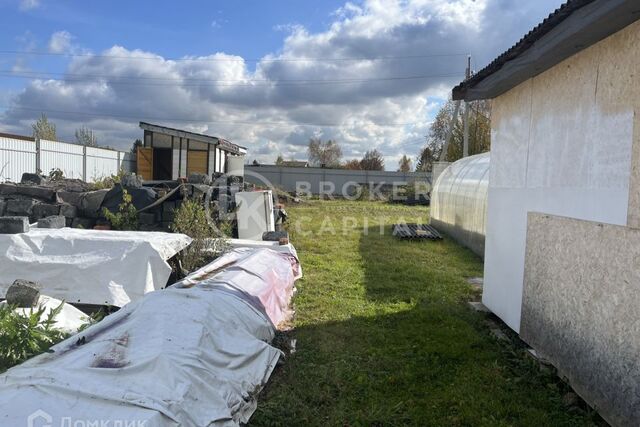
(372, 161)
(86, 136)
(279, 160)
(353, 165)
(404, 164)
(479, 134)
(324, 154)
(134, 148)
(44, 129)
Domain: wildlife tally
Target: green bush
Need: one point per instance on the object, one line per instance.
(127, 216)
(22, 337)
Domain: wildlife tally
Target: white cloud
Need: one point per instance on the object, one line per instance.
(60, 42)
(29, 4)
(318, 84)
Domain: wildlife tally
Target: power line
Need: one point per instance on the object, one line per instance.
(80, 78)
(167, 119)
(301, 59)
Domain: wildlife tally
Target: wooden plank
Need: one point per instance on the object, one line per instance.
(196, 162)
(145, 163)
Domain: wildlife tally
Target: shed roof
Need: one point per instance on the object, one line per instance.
(214, 140)
(574, 26)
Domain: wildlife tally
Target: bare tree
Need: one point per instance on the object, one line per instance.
(404, 165)
(372, 161)
(324, 154)
(44, 129)
(86, 136)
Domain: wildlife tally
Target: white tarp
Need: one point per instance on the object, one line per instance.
(90, 266)
(195, 354)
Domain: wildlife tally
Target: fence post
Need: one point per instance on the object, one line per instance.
(119, 166)
(38, 170)
(84, 163)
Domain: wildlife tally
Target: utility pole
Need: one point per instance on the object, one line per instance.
(465, 144)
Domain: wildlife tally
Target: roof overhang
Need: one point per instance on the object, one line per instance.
(566, 32)
(222, 143)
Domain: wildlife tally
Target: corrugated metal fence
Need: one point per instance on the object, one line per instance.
(327, 181)
(22, 154)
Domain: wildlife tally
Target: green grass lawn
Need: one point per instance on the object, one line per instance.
(385, 337)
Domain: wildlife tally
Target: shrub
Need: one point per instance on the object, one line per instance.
(108, 181)
(22, 337)
(56, 174)
(191, 219)
(127, 216)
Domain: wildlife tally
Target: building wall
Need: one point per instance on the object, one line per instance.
(562, 144)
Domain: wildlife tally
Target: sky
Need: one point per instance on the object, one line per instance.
(267, 75)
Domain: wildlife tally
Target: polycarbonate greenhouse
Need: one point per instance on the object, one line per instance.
(459, 201)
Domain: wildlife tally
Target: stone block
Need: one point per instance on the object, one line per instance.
(55, 221)
(147, 218)
(131, 180)
(32, 179)
(20, 207)
(42, 193)
(3, 206)
(199, 178)
(86, 223)
(23, 293)
(14, 224)
(43, 210)
(70, 197)
(91, 202)
(7, 189)
(68, 211)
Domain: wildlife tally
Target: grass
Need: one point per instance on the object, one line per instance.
(384, 335)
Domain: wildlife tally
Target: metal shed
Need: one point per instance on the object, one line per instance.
(459, 201)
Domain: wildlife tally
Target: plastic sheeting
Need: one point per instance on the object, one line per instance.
(195, 354)
(90, 266)
(459, 201)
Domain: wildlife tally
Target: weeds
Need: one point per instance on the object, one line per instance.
(127, 216)
(22, 337)
(191, 219)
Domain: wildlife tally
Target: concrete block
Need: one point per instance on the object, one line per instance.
(55, 221)
(91, 202)
(32, 179)
(23, 293)
(131, 180)
(14, 224)
(86, 223)
(42, 193)
(147, 218)
(199, 178)
(7, 189)
(43, 210)
(72, 198)
(68, 211)
(3, 206)
(20, 207)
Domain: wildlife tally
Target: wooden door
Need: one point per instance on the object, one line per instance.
(145, 163)
(196, 162)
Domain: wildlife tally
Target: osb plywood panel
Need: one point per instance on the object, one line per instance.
(196, 162)
(580, 309)
(145, 163)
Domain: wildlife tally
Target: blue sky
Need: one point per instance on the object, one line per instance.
(266, 74)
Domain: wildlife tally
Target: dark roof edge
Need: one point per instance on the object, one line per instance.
(573, 27)
(223, 143)
(19, 137)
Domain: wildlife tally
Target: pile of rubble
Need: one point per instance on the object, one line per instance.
(72, 202)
